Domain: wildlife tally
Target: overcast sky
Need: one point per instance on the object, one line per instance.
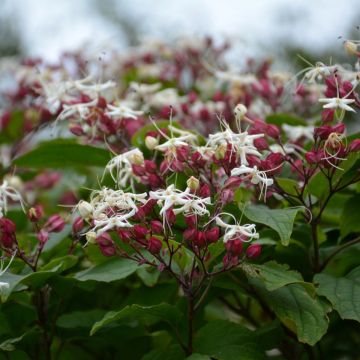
(49, 27)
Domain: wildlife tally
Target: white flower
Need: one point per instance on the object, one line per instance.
(171, 144)
(4, 288)
(81, 109)
(180, 201)
(294, 133)
(3, 267)
(337, 103)
(164, 97)
(120, 166)
(256, 177)
(234, 231)
(242, 143)
(113, 208)
(8, 193)
(319, 71)
(122, 111)
(93, 89)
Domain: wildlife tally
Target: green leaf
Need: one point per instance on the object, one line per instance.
(83, 319)
(173, 352)
(62, 153)
(112, 270)
(289, 185)
(148, 274)
(273, 275)
(300, 312)
(225, 340)
(279, 119)
(60, 264)
(343, 293)
(161, 312)
(198, 357)
(280, 220)
(8, 345)
(33, 279)
(15, 127)
(349, 221)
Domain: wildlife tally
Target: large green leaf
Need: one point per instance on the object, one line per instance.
(161, 312)
(172, 352)
(349, 221)
(273, 275)
(62, 153)
(80, 319)
(300, 312)
(281, 220)
(343, 293)
(114, 269)
(279, 119)
(36, 279)
(226, 340)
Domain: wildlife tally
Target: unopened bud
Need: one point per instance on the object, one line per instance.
(35, 213)
(43, 236)
(14, 182)
(351, 47)
(220, 152)
(151, 142)
(154, 245)
(193, 183)
(91, 237)
(85, 209)
(253, 251)
(55, 223)
(240, 111)
(137, 159)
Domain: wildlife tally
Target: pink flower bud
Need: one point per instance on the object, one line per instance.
(47, 180)
(233, 182)
(234, 246)
(76, 129)
(311, 157)
(156, 227)
(323, 131)
(354, 145)
(154, 181)
(7, 233)
(227, 196)
(140, 231)
(182, 153)
(170, 216)
(212, 235)
(205, 191)
(261, 144)
(339, 128)
(35, 213)
(104, 240)
(138, 170)
(200, 239)
(189, 234)
(150, 166)
(253, 251)
(125, 235)
(43, 236)
(327, 115)
(78, 225)
(190, 221)
(273, 131)
(154, 245)
(108, 250)
(55, 223)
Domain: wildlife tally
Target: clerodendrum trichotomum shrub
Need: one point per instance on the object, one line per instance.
(172, 210)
